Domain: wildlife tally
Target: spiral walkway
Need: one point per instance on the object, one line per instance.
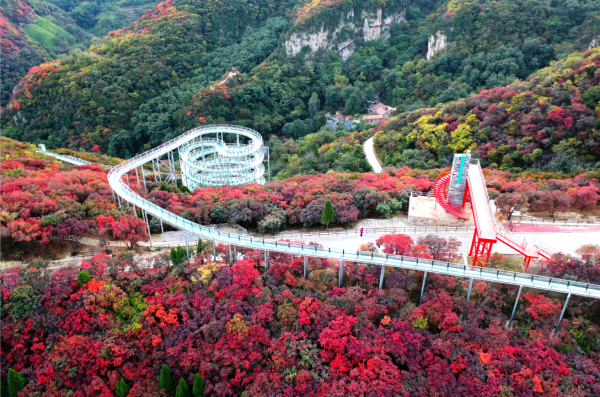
(206, 160)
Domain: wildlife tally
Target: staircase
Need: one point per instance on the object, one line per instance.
(439, 191)
(534, 250)
(544, 250)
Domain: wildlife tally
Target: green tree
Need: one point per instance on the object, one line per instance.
(21, 301)
(83, 278)
(327, 216)
(313, 105)
(166, 380)
(200, 247)
(16, 382)
(198, 389)
(591, 97)
(122, 388)
(177, 255)
(183, 389)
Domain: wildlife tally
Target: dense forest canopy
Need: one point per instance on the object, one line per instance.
(151, 81)
(550, 122)
(152, 322)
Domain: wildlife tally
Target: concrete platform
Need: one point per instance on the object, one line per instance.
(425, 211)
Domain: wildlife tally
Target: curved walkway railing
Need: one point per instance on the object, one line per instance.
(207, 160)
(120, 187)
(69, 159)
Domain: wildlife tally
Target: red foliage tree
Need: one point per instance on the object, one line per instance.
(397, 244)
(552, 201)
(585, 196)
(130, 229)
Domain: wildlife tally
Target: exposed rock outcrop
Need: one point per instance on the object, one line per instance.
(373, 25)
(437, 42)
(595, 42)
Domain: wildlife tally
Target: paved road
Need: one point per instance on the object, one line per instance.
(371, 157)
(561, 242)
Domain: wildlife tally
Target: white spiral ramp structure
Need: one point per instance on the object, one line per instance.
(188, 145)
(206, 160)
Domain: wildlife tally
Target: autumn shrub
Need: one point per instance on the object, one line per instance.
(214, 322)
(21, 300)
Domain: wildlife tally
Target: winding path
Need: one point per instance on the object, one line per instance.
(371, 156)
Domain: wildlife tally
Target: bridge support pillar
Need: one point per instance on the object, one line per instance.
(515, 307)
(422, 288)
(187, 250)
(214, 251)
(305, 266)
(143, 177)
(382, 276)
(562, 313)
(230, 257)
(341, 277)
(266, 261)
(137, 176)
(464, 315)
(235, 254)
(145, 215)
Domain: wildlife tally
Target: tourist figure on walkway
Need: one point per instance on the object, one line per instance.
(361, 231)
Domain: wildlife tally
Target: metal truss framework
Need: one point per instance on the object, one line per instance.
(122, 190)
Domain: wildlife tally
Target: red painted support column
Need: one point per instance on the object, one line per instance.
(465, 195)
(473, 242)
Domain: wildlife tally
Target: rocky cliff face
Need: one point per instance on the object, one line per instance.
(373, 25)
(437, 42)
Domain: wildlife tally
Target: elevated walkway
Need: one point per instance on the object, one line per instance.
(120, 187)
(68, 159)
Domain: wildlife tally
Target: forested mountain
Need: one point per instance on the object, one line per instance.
(550, 122)
(35, 31)
(31, 33)
(159, 76)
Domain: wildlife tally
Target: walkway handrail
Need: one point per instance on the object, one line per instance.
(71, 159)
(119, 186)
(376, 230)
(486, 229)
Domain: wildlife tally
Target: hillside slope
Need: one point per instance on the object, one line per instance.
(549, 122)
(151, 81)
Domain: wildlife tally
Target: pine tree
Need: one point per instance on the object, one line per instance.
(198, 389)
(122, 388)
(327, 216)
(177, 255)
(83, 278)
(200, 247)
(181, 254)
(173, 256)
(183, 389)
(16, 382)
(166, 380)
(313, 105)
